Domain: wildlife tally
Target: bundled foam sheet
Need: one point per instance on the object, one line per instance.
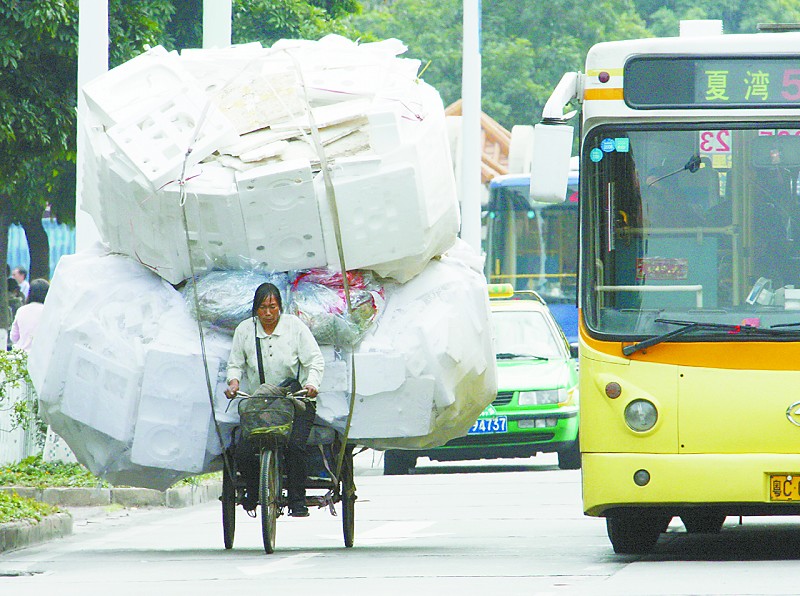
(120, 376)
(426, 370)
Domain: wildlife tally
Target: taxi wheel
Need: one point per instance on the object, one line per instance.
(397, 462)
(703, 523)
(570, 458)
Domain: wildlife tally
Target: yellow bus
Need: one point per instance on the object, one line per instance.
(689, 289)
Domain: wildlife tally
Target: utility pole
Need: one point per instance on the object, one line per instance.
(471, 126)
(92, 62)
(216, 23)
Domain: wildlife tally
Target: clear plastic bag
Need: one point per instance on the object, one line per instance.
(318, 298)
(226, 297)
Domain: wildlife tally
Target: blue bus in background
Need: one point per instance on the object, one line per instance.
(61, 238)
(534, 246)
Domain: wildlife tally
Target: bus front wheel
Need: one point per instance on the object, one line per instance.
(635, 532)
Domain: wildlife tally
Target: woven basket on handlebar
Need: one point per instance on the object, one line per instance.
(267, 420)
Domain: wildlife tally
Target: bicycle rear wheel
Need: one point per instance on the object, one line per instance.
(228, 500)
(269, 496)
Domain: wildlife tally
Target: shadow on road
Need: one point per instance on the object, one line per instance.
(756, 540)
(477, 468)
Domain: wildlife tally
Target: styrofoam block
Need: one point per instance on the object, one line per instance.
(405, 412)
(379, 216)
(157, 142)
(332, 408)
(281, 216)
(378, 372)
(213, 218)
(101, 393)
(425, 145)
(255, 100)
(384, 131)
(174, 412)
(337, 370)
(421, 322)
(329, 115)
(254, 140)
(136, 85)
(160, 444)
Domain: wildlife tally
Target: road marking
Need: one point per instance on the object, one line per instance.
(293, 562)
(390, 532)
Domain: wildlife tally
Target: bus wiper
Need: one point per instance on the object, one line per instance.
(512, 355)
(688, 326)
(692, 165)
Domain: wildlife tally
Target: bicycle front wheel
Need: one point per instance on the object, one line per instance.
(269, 496)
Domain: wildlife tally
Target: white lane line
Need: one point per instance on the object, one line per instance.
(292, 562)
(390, 532)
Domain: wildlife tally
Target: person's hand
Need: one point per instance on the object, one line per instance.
(233, 388)
(311, 391)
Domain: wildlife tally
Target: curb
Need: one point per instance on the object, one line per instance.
(19, 534)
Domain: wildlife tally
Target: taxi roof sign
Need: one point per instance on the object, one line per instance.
(507, 291)
(500, 290)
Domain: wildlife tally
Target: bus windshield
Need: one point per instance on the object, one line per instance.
(695, 224)
(534, 246)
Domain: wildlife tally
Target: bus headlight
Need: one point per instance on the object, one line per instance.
(542, 397)
(641, 415)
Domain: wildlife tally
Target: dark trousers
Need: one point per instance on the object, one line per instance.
(297, 456)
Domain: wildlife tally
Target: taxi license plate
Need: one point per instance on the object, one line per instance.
(784, 487)
(484, 426)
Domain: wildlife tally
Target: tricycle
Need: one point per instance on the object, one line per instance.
(329, 484)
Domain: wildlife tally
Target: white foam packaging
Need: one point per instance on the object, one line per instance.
(245, 112)
(280, 216)
(426, 370)
(119, 373)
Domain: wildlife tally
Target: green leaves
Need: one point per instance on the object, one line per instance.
(16, 508)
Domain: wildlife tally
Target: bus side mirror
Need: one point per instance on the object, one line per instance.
(552, 148)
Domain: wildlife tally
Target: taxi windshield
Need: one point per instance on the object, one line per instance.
(525, 334)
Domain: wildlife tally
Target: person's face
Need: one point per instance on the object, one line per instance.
(17, 275)
(269, 312)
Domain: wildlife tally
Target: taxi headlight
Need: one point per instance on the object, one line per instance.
(641, 415)
(542, 397)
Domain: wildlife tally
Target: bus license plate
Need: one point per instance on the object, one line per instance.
(484, 426)
(784, 487)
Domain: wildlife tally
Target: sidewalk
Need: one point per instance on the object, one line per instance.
(82, 503)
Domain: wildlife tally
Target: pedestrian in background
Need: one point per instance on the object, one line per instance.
(26, 321)
(21, 275)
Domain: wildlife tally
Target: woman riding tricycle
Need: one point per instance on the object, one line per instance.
(277, 354)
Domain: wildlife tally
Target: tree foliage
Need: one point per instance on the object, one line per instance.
(526, 46)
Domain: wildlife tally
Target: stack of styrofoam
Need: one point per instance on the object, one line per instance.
(213, 159)
(120, 375)
(214, 162)
(426, 370)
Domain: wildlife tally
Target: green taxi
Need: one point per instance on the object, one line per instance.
(536, 408)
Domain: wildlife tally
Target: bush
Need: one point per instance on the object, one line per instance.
(15, 508)
(34, 472)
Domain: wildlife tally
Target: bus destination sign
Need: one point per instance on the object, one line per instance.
(653, 82)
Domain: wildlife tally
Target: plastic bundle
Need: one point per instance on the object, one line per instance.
(225, 298)
(318, 298)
